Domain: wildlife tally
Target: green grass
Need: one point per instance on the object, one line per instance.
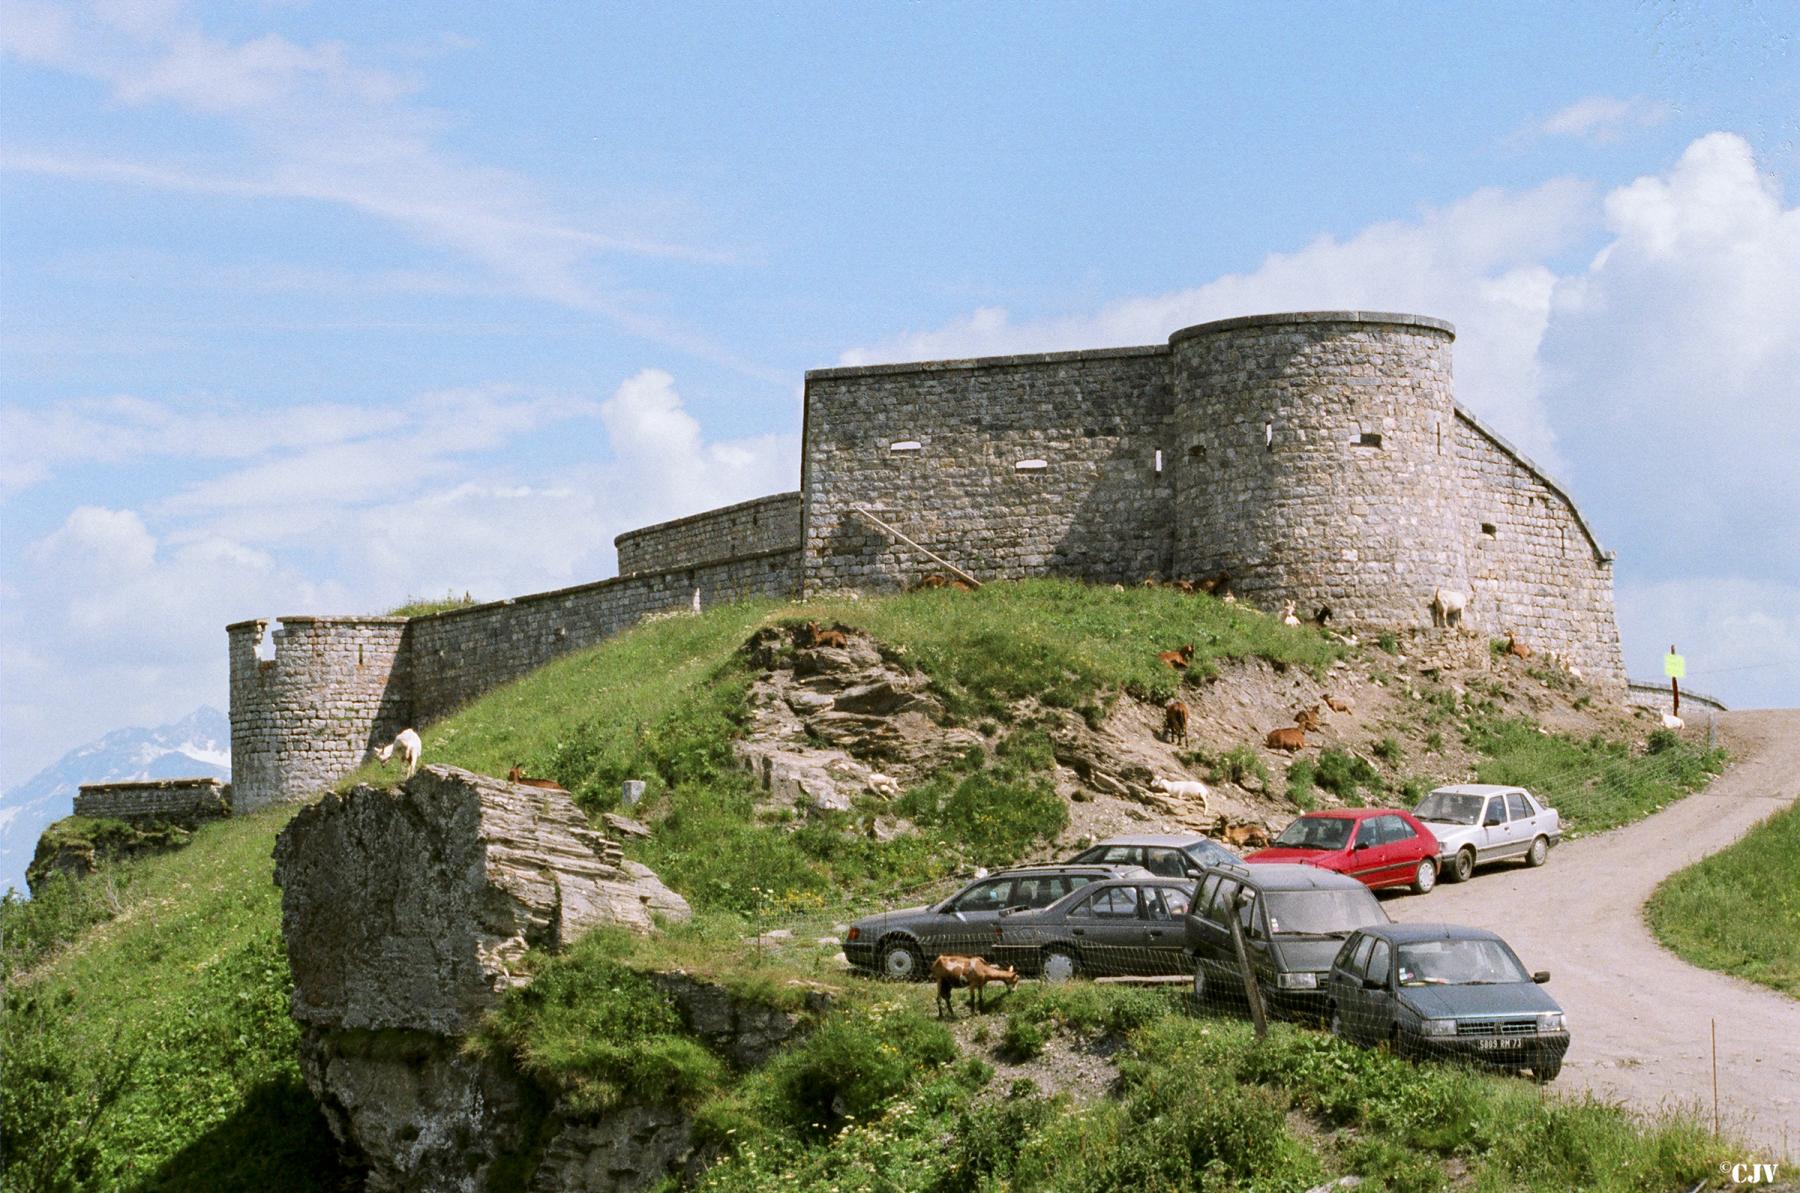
(1594, 784)
(1346, 775)
(1738, 911)
(420, 606)
(157, 1051)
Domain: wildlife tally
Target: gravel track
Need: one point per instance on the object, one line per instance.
(1640, 1016)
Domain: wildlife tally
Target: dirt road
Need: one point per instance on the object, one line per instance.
(1641, 1017)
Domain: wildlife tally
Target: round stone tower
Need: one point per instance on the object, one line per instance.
(1317, 462)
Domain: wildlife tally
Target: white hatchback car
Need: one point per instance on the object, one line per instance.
(1477, 823)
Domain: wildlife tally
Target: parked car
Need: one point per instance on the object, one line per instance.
(1122, 926)
(1445, 990)
(1477, 823)
(902, 944)
(1171, 856)
(1377, 846)
(1293, 919)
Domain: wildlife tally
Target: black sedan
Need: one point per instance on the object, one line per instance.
(1123, 926)
(1446, 991)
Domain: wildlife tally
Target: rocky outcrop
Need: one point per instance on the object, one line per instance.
(406, 912)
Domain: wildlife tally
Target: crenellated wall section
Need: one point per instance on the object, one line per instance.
(1317, 457)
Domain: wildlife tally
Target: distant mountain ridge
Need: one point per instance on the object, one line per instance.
(198, 745)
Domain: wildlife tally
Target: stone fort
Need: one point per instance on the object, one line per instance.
(1316, 457)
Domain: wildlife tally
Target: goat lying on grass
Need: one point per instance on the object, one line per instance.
(950, 971)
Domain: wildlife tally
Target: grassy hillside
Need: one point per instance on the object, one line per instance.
(147, 1042)
(1738, 911)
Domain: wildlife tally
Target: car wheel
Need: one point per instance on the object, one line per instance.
(1425, 877)
(1060, 965)
(901, 961)
(1462, 866)
(1540, 850)
(1547, 1071)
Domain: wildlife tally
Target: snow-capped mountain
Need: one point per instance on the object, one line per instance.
(197, 745)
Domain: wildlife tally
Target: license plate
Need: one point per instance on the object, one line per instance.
(1494, 1044)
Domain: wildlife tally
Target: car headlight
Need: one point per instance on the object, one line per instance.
(1437, 1027)
(1297, 981)
(1551, 1021)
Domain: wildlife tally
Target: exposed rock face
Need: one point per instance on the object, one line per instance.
(405, 913)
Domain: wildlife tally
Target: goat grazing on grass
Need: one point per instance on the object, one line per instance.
(1288, 616)
(1321, 616)
(1336, 705)
(1515, 648)
(410, 748)
(1292, 740)
(951, 971)
(517, 775)
(1178, 659)
(1175, 722)
(811, 636)
(1671, 721)
(1308, 719)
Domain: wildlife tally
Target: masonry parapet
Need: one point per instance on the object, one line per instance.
(176, 801)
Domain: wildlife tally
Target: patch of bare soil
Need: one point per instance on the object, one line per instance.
(1082, 1068)
(838, 726)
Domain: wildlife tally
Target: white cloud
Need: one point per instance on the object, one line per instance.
(1599, 119)
(1477, 262)
(1741, 638)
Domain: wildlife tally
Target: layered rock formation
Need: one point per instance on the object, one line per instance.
(406, 913)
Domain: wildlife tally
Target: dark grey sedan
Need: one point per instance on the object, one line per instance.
(1445, 990)
(1165, 854)
(901, 944)
(1122, 926)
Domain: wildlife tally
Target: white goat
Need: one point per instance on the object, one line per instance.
(1287, 615)
(1447, 606)
(883, 785)
(1182, 789)
(410, 749)
(1671, 721)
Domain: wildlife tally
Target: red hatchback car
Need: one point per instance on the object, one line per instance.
(1379, 846)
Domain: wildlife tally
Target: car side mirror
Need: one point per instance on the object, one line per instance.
(1374, 983)
(1364, 844)
(1541, 976)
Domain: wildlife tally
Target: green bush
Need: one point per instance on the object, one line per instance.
(997, 812)
(1302, 777)
(1346, 774)
(850, 1067)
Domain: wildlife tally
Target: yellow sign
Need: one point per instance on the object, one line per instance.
(1674, 666)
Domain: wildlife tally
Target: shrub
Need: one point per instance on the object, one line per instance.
(1345, 774)
(851, 1066)
(1302, 776)
(997, 811)
(1389, 751)
(1237, 765)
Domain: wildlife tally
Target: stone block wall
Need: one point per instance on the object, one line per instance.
(335, 689)
(178, 801)
(458, 655)
(1655, 695)
(1534, 566)
(1317, 461)
(734, 532)
(1007, 467)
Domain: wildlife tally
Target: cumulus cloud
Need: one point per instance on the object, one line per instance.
(131, 603)
(1741, 638)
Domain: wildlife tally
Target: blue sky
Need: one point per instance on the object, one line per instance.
(310, 308)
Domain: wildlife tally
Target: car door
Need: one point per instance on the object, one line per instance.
(1376, 1014)
(1406, 848)
(1107, 929)
(965, 926)
(1162, 928)
(1214, 948)
(1491, 840)
(1346, 983)
(1519, 823)
(1166, 862)
(1368, 856)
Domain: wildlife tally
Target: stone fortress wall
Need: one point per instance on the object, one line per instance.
(179, 801)
(1316, 457)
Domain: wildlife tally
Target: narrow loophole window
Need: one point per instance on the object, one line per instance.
(1031, 465)
(359, 658)
(906, 445)
(1159, 459)
(1440, 438)
(1369, 439)
(1489, 530)
(1269, 436)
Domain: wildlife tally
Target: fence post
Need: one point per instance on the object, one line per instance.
(1251, 991)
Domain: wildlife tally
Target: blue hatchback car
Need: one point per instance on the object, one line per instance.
(1447, 991)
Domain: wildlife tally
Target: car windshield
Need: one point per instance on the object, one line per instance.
(1449, 807)
(1316, 832)
(1321, 913)
(1458, 963)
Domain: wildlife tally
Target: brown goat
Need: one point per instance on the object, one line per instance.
(1245, 836)
(1336, 705)
(1178, 659)
(1291, 740)
(939, 580)
(1175, 722)
(1308, 719)
(1183, 586)
(951, 971)
(1516, 649)
(517, 775)
(811, 636)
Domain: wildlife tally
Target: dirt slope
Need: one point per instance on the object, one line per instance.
(1640, 1016)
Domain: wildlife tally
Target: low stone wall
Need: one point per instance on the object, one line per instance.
(734, 532)
(177, 801)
